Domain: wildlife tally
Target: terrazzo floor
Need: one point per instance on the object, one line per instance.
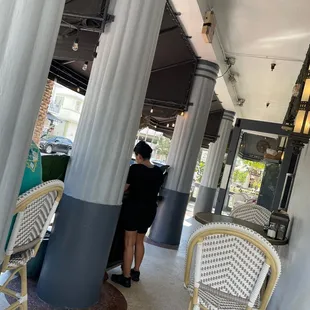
(162, 272)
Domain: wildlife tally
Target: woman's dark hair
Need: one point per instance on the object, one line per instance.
(143, 149)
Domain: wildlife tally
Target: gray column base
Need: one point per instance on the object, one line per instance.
(77, 253)
(220, 201)
(168, 224)
(205, 199)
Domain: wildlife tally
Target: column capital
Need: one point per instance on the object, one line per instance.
(229, 115)
(207, 69)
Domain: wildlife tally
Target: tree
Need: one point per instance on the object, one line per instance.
(200, 167)
(255, 165)
(163, 146)
(240, 176)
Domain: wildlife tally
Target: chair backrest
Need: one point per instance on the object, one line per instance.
(252, 213)
(238, 198)
(34, 211)
(234, 261)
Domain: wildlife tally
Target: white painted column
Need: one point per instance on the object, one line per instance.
(213, 167)
(185, 146)
(94, 186)
(28, 34)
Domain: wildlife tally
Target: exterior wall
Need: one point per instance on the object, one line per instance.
(71, 129)
(39, 126)
(294, 286)
(66, 106)
(59, 130)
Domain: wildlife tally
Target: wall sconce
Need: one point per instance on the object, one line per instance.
(302, 120)
(297, 119)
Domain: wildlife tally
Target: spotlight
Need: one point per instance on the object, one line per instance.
(85, 66)
(75, 46)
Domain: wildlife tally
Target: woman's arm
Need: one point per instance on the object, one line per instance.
(126, 187)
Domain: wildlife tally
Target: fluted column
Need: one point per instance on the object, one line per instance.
(213, 167)
(85, 224)
(185, 146)
(28, 34)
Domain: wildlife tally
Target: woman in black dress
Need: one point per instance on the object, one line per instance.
(139, 210)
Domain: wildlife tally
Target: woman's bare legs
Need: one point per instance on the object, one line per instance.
(130, 241)
(139, 252)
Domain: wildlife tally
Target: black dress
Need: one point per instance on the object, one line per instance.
(140, 205)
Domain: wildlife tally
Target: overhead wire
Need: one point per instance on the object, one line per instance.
(229, 67)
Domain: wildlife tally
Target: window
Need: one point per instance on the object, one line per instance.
(56, 104)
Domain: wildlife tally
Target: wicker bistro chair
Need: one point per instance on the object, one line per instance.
(231, 266)
(238, 199)
(252, 213)
(34, 211)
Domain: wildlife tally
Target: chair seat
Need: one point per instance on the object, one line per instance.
(20, 259)
(213, 301)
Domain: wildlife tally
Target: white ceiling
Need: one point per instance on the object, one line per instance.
(256, 33)
(192, 21)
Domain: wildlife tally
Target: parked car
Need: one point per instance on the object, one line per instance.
(158, 163)
(56, 145)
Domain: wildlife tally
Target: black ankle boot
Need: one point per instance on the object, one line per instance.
(121, 280)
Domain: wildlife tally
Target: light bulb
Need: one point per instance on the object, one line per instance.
(78, 89)
(168, 125)
(85, 66)
(155, 126)
(182, 113)
(173, 125)
(75, 46)
(152, 110)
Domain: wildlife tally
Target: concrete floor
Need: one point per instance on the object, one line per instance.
(162, 272)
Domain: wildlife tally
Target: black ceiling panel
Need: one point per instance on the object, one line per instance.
(85, 7)
(78, 65)
(174, 62)
(212, 129)
(172, 84)
(66, 37)
(172, 73)
(213, 125)
(172, 41)
(168, 21)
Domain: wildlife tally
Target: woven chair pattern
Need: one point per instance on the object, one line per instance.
(230, 267)
(252, 213)
(20, 259)
(215, 302)
(34, 212)
(34, 218)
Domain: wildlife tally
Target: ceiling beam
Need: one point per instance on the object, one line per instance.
(83, 16)
(168, 29)
(89, 29)
(174, 65)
